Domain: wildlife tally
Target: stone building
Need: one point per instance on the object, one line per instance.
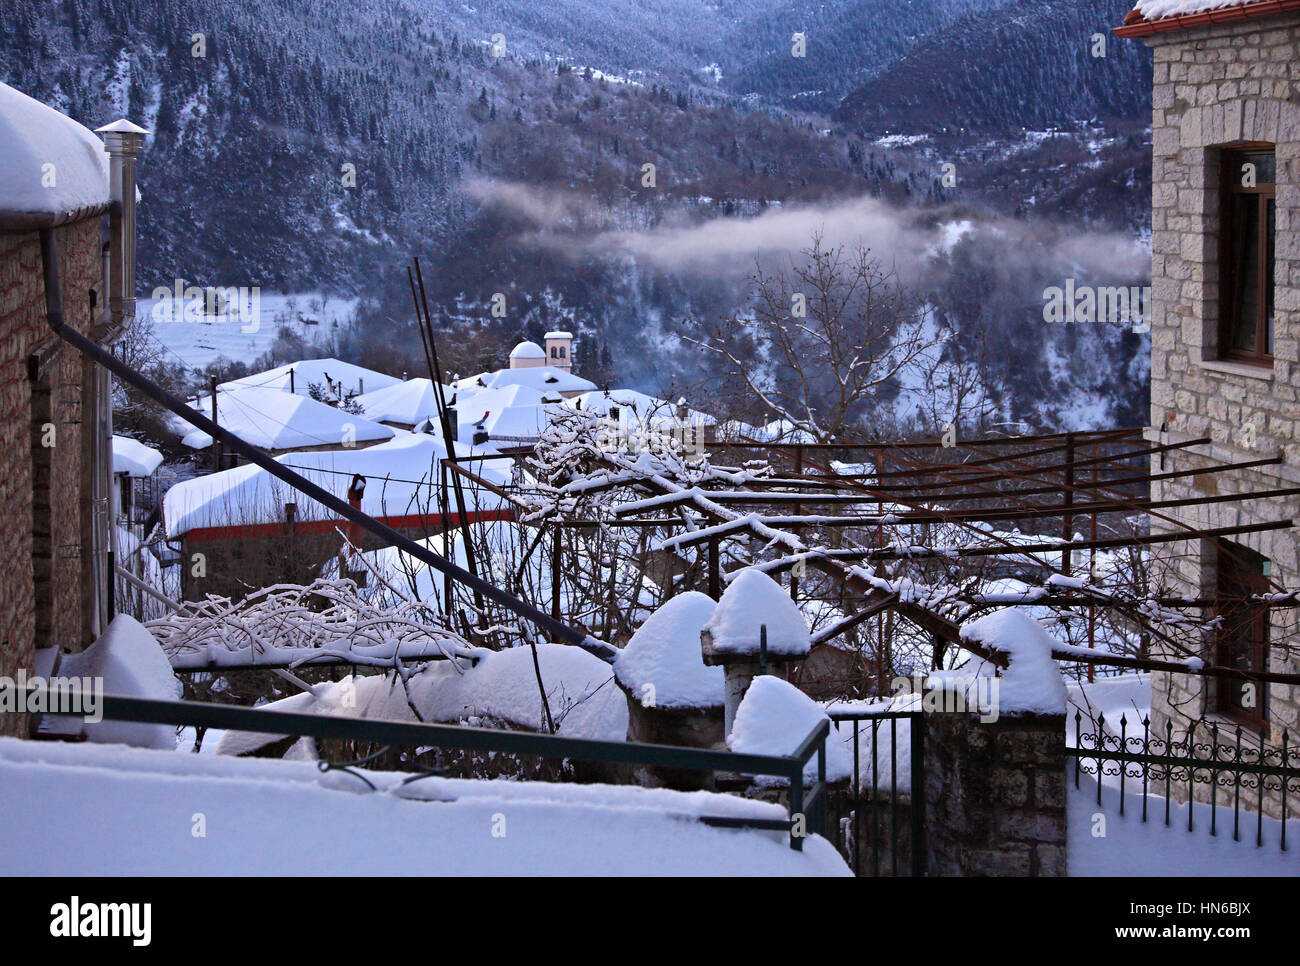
(57, 181)
(1225, 341)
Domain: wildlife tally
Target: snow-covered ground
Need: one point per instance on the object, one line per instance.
(311, 315)
(110, 810)
(1131, 847)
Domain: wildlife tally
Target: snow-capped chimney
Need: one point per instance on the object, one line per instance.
(559, 350)
(123, 141)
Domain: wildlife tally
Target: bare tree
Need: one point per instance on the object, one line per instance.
(827, 338)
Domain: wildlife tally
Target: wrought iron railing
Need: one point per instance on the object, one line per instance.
(870, 798)
(1202, 757)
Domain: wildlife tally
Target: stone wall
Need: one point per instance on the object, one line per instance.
(682, 727)
(995, 795)
(43, 514)
(1217, 86)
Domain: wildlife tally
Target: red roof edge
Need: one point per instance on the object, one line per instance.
(1139, 27)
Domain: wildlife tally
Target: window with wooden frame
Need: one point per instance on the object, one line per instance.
(1241, 641)
(1246, 254)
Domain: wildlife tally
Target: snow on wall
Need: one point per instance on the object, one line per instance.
(1032, 682)
(1132, 847)
(131, 664)
(664, 655)
(579, 688)
(502, 686)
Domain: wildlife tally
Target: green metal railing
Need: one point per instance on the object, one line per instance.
(805, 815)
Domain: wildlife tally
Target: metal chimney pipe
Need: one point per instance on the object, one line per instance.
(123, 141)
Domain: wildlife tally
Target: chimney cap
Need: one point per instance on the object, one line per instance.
(121, 126)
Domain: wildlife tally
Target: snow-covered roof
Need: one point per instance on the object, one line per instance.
(559, 335)
(52, 169)
(527, 350)
(1151, 16)
(754, 600)
(273, 419)
(662, 666)
(777, 431)
(133, 458)
(339, 826)
(405, 402)
(732, 430)
(401, 475)
(784, 431)
(541, 378)
(516, 411)
(322, 372)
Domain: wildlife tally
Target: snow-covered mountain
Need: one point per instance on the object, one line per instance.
(309, 146)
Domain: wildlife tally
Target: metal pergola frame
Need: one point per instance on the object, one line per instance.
(1004, 480)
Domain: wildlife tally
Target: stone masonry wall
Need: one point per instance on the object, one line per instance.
(42, 525)
(1214, 87)
(995, 795)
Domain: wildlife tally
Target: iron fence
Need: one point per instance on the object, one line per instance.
(866, 806)
(1202, 757)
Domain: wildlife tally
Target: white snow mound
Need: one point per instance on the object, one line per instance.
(774, 718)
(753, 600)
(132, 665)
(1032, 682)
(664, 655)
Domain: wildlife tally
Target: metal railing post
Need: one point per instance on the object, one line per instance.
(796, 809)
(919, 858)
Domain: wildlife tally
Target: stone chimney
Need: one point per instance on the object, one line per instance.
(559, 350)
